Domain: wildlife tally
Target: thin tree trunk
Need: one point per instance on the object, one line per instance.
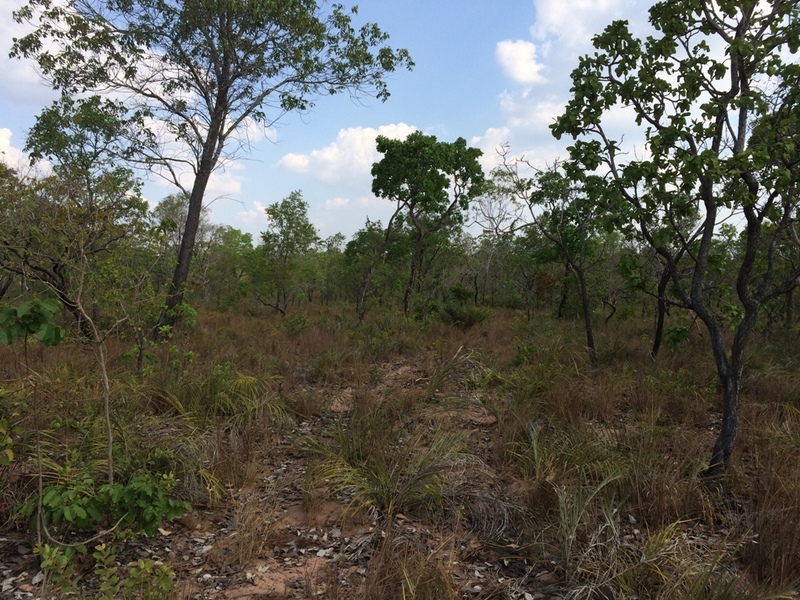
(586, 309)
(562, 303)
(416, 258)
(662, 311)
(5, 284)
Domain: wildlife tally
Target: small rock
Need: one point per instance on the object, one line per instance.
(546, 577)
(37, 579)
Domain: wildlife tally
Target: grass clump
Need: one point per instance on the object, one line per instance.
(391, 471)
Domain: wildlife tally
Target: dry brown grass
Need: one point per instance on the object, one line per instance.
(563, 427)
(769, 475)
(254, 520)
(405, 568)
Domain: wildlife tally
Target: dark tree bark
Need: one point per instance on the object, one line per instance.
(660, 313)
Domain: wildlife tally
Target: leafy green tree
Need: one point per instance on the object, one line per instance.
(696, 90)
(287, 242)
(568, 217)
(169, 215)
(331, 267)
(229, 253)
(201, 71)
(432, 183)
(532, 263)
(11, 190)
(59, 227)
(374, 256)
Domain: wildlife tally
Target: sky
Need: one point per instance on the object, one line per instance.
(492, 72)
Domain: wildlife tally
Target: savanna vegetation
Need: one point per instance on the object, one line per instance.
(576, 382)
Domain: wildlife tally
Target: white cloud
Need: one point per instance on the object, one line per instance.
(17, 159)
(490, 143)
(9, 155)
(574, 23)
(297, 163)
(22, 83)
(350, 155)
(336, 203)
(224, 182)
(253, 217)
(518, 60)
(530, 113)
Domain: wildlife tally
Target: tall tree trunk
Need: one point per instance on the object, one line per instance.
(211, 151)
(729, 369)
(723, 446)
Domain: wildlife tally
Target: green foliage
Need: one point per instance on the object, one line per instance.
(525, 352)
(282, 263)
(139, 505)
(107, 572)
(147, 580)
(142, 580)
(295, 323)
(282, 57)
(719, 142)
(58, 562)
(464, 316)
(32, 318)
(433, 184)
(676, 337)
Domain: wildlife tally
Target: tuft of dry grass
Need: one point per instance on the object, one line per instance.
(405, 568)
(254, 522)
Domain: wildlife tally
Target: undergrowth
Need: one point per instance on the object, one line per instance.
(496, 436)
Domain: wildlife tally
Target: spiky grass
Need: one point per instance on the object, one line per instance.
(450, 367)
(403, 474)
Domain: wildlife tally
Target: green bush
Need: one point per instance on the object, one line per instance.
(464, 316)
(139, 505)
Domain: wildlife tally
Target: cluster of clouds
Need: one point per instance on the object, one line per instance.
(536, 70)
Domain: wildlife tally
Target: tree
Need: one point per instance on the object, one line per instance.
(60, 226)
(200, 71)
(289, 238)
(229, 253)
(330, 266)
(568, 217)
(11, 190)
(373, 258)
(432, 183)
(697, 109)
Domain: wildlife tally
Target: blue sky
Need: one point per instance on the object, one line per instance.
(492, 72)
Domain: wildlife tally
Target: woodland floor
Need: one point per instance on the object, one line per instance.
(315, 545)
